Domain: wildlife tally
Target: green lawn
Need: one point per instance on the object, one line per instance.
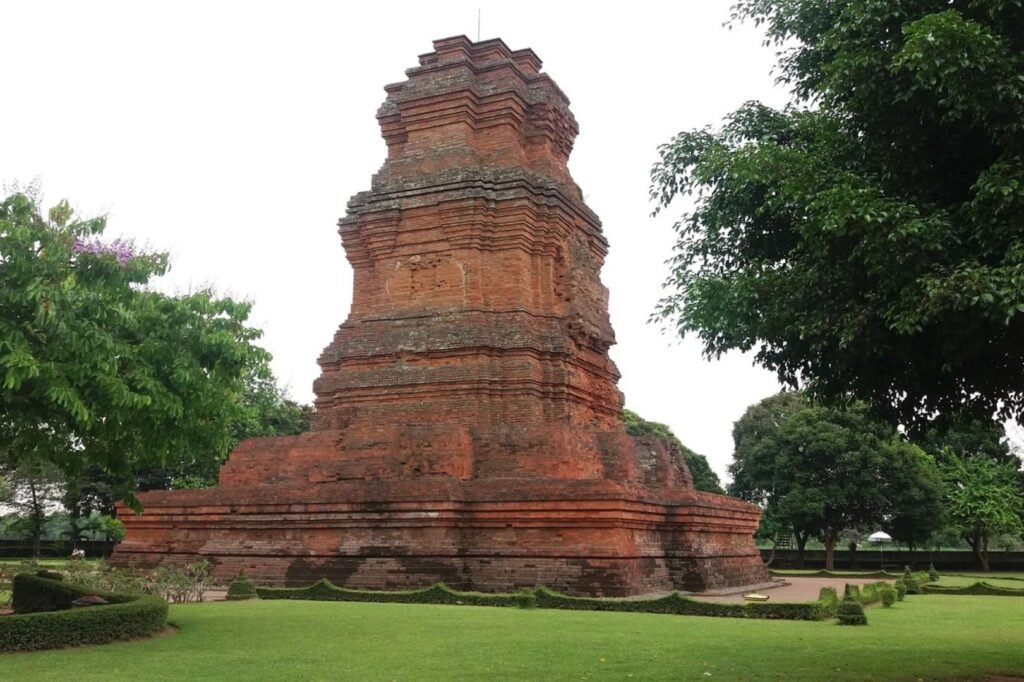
(927, 637)
(1017, 575)
(992, 579)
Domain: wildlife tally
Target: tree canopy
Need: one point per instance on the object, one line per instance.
(818, 471)
(264, 410)
(97, 369)
(704, 477)
(867, 239)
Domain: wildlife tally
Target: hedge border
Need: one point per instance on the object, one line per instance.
(542, 597)
(824, 573)
(977, 589)
(975, 575)
(128, 617)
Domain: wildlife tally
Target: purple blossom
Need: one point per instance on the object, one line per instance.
(121, 249)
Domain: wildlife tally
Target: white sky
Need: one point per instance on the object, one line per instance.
(232, 134)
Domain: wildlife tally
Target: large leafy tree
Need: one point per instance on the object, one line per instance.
(867, 239)
(704, 477)
(32, 495)
(820, 470)
(264, 410)
(982, 498)
(96, 369)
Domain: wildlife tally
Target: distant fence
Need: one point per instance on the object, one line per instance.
(871, 558)
(54, 549)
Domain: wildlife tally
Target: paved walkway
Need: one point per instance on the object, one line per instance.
(795, 589)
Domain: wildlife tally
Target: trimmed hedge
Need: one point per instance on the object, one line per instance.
(35, 594)
(850, 612)
(45, 619)
(241, 588)
(325, 590)
(914, 581)
(977, 589)
(888, 595)
(542, 597)
(677, 604)
(834, 574)
(1001, 577)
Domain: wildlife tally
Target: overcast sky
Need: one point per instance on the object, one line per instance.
(231, 134)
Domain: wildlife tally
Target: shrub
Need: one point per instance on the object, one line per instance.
(180, 584)
(933, 575)
(829, 600)
(45, 619)
(913, 586)
(35, 594)
(888, 593)
(51, 575)
(901, 589)
(851, 592)
(850, 611)
(138, 617)
(824, 573)
(241, 587)
(98, 576)
(978, 588)
(545, 598)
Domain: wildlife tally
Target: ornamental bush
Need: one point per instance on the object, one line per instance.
(913, 586)
(901, 589)
(850, 611)
(542, 597)
(44, 618)
(888, 593)
(978, 588)
(829, 600)
(241, 587)
(933, 575)
(35, 594)
(851, 592)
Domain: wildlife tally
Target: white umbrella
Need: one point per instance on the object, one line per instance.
(880, 537)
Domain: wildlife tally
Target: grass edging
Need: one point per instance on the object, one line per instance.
(978, 589)
(824, 573)
(545, 598)
(126, 617)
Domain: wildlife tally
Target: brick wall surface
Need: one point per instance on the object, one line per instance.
(468, 422)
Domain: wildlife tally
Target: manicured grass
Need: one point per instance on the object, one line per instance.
(992, 579)
(1015, 575)
(927, 637)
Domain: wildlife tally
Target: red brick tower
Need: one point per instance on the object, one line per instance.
(468, 425)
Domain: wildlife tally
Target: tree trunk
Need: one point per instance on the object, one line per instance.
(36, 523)
(979, 545)
(801, 543)
(830, 550)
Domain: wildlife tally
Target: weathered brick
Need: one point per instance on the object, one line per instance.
(468, 424)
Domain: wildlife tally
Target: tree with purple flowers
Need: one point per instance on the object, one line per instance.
(97, 369)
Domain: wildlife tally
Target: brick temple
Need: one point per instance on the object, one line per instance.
(468, 426)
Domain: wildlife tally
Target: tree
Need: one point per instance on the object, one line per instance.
(866, 240)
(820, 470)
(95, 368)
(753, 468)
(917, 512)
(33, 491)
(704, 477)
(264, 411)
(983, 500)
